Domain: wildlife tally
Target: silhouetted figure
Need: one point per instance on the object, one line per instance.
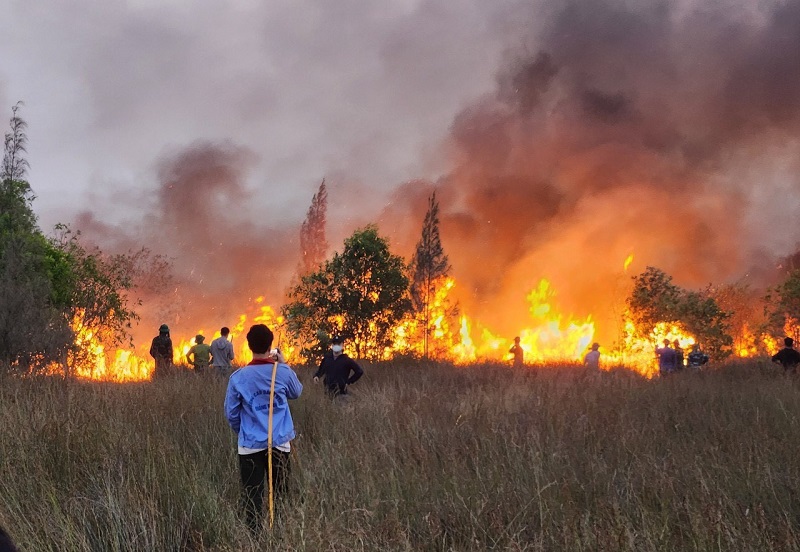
(667, 359)
(199, 354)
(592, 358)
(338, 369)
(678, 355)
(161, 351)
(222, 353)
(696, 358)
(788, 357)
(518, 352)
(6, 544)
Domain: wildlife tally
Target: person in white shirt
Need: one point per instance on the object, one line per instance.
(222, 353)
(592, 358)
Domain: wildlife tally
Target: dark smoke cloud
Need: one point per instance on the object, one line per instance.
(622, 127)
(223, 255)
(665, 129)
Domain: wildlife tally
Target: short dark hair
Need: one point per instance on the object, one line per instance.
(224, 331)
(6, 544)
(259, 338)
(788, 341)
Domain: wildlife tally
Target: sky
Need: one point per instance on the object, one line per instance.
(311, 88)
(559, 136)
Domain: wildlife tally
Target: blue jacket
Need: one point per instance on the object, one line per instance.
(247, 404)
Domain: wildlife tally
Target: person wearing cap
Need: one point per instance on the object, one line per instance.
(518, 352)
(592, 358)
(788, 357)
(199, 354)
(247, 411)
(679, 355)
(338, 369)
(161, 351)
(222, 353)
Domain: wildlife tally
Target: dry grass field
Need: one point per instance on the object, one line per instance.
(423, 457)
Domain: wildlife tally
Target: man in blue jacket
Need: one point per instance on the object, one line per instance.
(247, 411)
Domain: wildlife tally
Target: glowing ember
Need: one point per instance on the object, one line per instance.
(628, 262)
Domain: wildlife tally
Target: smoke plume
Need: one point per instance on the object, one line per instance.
(664, 129)
(623, 127)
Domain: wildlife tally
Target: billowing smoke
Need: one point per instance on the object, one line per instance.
(661, 129)
(668, 129)
(223, 256)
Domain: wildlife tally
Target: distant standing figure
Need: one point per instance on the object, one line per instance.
(161, 351)
(788, 357)
(678, 355)
(222, 353)
(666, 359)
(338, 369)
(518, 352)
(697, 357)
(199, 354)
(592, 358)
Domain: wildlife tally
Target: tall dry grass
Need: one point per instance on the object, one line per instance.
(424, 457)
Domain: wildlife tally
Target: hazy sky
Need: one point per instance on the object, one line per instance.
(363, 90)
(560, 136)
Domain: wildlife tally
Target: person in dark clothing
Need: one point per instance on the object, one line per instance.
(161, 351)
(788, 357)
(678, 355)
(6, 544)
(697, 358)
(338, 369)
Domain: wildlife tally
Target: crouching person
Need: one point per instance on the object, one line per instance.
(247, 411)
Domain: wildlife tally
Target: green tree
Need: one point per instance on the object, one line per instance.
(32, 333)
(93, 289)
(51, 288)
(655, 299)
(429, 267)
(313, 244)
(702, 318)
(361, 293)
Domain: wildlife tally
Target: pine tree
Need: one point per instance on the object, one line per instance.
(428, 266)
(14, 163)
(313, 245)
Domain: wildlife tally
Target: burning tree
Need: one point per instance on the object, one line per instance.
(429, 269)
(782, 308)
(31, 330)
(313, 245)
(656, 302)
(747, 319)
(361, 293)
(52, 291)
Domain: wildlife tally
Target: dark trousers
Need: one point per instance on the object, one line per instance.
(253, 471)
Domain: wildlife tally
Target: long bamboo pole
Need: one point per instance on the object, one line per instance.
(269, 445)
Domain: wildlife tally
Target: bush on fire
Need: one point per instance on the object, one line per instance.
(49, 286)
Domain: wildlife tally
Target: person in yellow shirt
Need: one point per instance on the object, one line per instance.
(199, 354)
